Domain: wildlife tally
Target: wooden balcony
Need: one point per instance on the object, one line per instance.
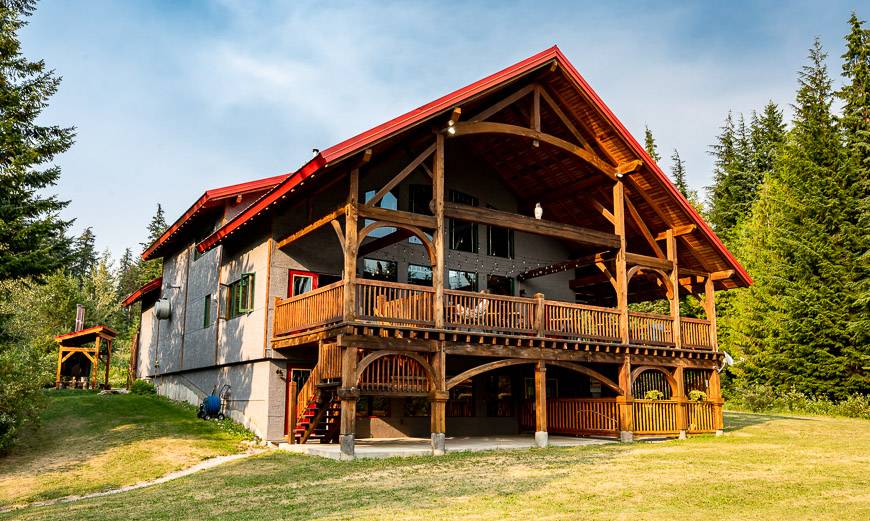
(406, 305)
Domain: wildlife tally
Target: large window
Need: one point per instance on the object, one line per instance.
(420, 198)
(461, 403)
(241, 296)
(380, 270)
(373, 407)
(500, 285)
(462, 280)
(463, 234)
(500, 396)
(391, 202)
(419, 275)
(499, 242)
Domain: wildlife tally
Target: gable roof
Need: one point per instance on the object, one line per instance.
(362, 141)
(210, 199)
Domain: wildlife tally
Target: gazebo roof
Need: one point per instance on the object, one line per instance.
(85, 336)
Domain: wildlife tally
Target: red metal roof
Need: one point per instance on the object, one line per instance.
(89, 332)
(206, 201)
(362, 141)
(134, 297)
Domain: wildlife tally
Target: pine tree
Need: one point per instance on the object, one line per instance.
(649, 143)
(32, 236)
(153, 268)
(791, 324)
(767, 134)
(128, 274)
(84, 255)
(855, 127)
(678, 173)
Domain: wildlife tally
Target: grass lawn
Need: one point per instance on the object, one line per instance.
(90, 442)
(771, 467)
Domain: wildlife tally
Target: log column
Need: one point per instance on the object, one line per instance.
(675, 288)
(680, 398)
(715, 397)
(438, 402)
(348, 394)
(621, 263)
(438, 235)
(351, 230)
(541, 404)
(625, 402)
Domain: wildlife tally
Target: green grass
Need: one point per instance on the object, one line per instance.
(766, 467)
(90, 442)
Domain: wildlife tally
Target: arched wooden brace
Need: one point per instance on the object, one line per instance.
(371, 357)
(465, 375)
(668, 376)
(664, 276)
(430, 248)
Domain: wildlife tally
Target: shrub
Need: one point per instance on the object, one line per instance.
(653, 395)
(21, 398)
(143, 387)
(757, 398)
(762, 398)
(697, 396)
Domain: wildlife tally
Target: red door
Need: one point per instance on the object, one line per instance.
(300, 282)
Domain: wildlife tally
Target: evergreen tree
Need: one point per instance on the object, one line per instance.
(678, 173)
(767, 134)
(649, 143)
(791, 324)
(153, 268)
(32, 236)
(855, 127)
(128, 274)
(84, 255)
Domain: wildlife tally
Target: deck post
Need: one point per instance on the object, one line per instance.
(621, 262)
(541, 404)
(59, 363)
(292, 408)
(715, 397)
(674, 277)
(96, 364)
(710, 310)
(348, 394)
(351, 230)
(438, 237)
(438, 401)
(625, 402)
(108, 361)
(680, 398)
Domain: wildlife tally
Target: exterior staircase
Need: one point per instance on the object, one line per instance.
(316, 404)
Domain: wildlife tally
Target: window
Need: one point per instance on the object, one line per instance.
(552, 388)
(373, 407)
(416, 406)
(500, 396)
(499, 285)
(419, 275)
(462, 280)
(301, 282)
(461, 403)
(241, 296)
(499, 242)
(206, 311)
(390, 202)
(380, 270)
(420, 197)
(463, 234)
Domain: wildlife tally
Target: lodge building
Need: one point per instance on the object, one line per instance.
(476, 266)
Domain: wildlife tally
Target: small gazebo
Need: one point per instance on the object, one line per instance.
(79, 354)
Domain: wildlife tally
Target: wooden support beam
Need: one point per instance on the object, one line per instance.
(326, 219)
(677, 231)
(440, 232)
(338, 232)
(589, 280)
(674, 278)
(492, 109)
(628, 167)
(563, 266)
(621, 259)
(563, 117)
(642, 228)
(382, 242)
(530, 225)
(351, 245)
(603, 211)
(540, 399)
(535, 122)
(392, 183)
(636, 259)
(486, 127)
(397, 216)
(710, 311)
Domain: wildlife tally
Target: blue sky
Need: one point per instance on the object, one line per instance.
(172, 98)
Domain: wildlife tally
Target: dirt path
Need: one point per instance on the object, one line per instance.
(203, 465)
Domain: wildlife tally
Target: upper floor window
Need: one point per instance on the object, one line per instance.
(419, 275)
(385, 270)
(462, 280)
(241, 296)
(463, 234)
(206, 311)
(389, 201)
(499, 242)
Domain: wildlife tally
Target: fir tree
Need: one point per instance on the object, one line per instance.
(767, 134)
(84, 255)
(649, 143)
(678, 173)
(153, 268)
(32, 236)
(128, 274)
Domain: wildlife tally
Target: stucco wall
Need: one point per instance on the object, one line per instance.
(171, 331)
(243, 337)
(147, 343)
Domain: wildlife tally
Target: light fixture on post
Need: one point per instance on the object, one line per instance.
(451, 127)
(454, 117)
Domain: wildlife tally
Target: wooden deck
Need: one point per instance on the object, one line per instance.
(393, 304)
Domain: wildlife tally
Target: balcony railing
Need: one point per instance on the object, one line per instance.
(391, 303)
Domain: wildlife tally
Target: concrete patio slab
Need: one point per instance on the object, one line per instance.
(408, 447)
